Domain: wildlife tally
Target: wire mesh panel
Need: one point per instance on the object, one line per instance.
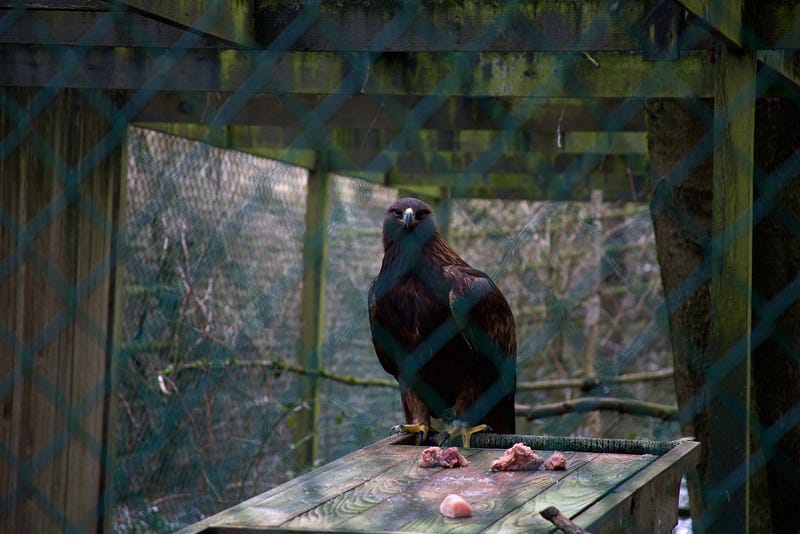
(209, 299)
(193, 204)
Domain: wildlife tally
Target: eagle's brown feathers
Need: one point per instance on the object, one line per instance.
(441, 327)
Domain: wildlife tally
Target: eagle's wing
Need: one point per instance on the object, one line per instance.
(487, 324)
(388, 363)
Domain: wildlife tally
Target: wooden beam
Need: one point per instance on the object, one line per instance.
(776, 24)
(94, 28)
(545, 26)
(373, 142)
(232, 21)
(532, 175)
(617, 75)
(725, 18)
(500, 26)
(315, 259)
(728, 376)
(784, 62)
(371, 112)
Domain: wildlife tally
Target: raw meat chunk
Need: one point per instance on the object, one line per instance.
(450, 457)
(556, 462)
(435, 456)
(455, 506)
(519, 457)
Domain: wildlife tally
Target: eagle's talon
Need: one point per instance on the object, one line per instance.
(421, 431)
(463, 429)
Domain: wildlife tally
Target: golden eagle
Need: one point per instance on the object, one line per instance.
(442, 329)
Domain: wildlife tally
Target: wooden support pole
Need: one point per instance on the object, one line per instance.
(62, 181)
(593, 307)
(728, 372)
(315, 259)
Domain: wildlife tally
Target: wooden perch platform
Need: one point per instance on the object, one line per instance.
(380, 488)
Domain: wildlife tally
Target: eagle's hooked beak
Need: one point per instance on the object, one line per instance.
(408, 217)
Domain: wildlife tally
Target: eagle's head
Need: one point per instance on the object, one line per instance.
(408, 221)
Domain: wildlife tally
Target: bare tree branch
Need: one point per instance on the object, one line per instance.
(278, 366)
(594, 381)
(591, 404)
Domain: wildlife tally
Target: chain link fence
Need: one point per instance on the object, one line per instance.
(588, 156)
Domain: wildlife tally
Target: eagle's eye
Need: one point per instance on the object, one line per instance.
(421, 214)
(396, 212)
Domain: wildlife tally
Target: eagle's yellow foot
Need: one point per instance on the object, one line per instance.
(420, 430)
(461, 428)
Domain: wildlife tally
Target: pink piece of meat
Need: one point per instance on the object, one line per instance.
(435, 457)
(519, 457)
(556, 462)
(455, 506)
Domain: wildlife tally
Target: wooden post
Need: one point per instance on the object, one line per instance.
(62, 181)
(315, 259)
(728, 374)
(593, 420)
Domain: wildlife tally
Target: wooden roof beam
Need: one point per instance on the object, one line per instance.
(543, 26)
(135, 23)
(437, 76)
(485, 174)
(371, 112)
(724, 18)
(95, 28)
(430, 150)
(375, 141)
(784, 62)
(232, 21)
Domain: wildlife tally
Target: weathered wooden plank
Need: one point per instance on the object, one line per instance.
(291, 502)
(729, 355)
(431, 152)
(361, 112)
(511, 173)
(380, 489)
(650, 496)
(776, 24)
(784, 62)
(492, 501)
(346, 472)
(725, 18)
(492, 494)
(374, 141)
(611, 74)
(396, 481)
(61, 179)
(93, 28)
(619, 75)
(233, 21)
(500, 27)
(587, 485)
(80, 5)
(448, 26)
